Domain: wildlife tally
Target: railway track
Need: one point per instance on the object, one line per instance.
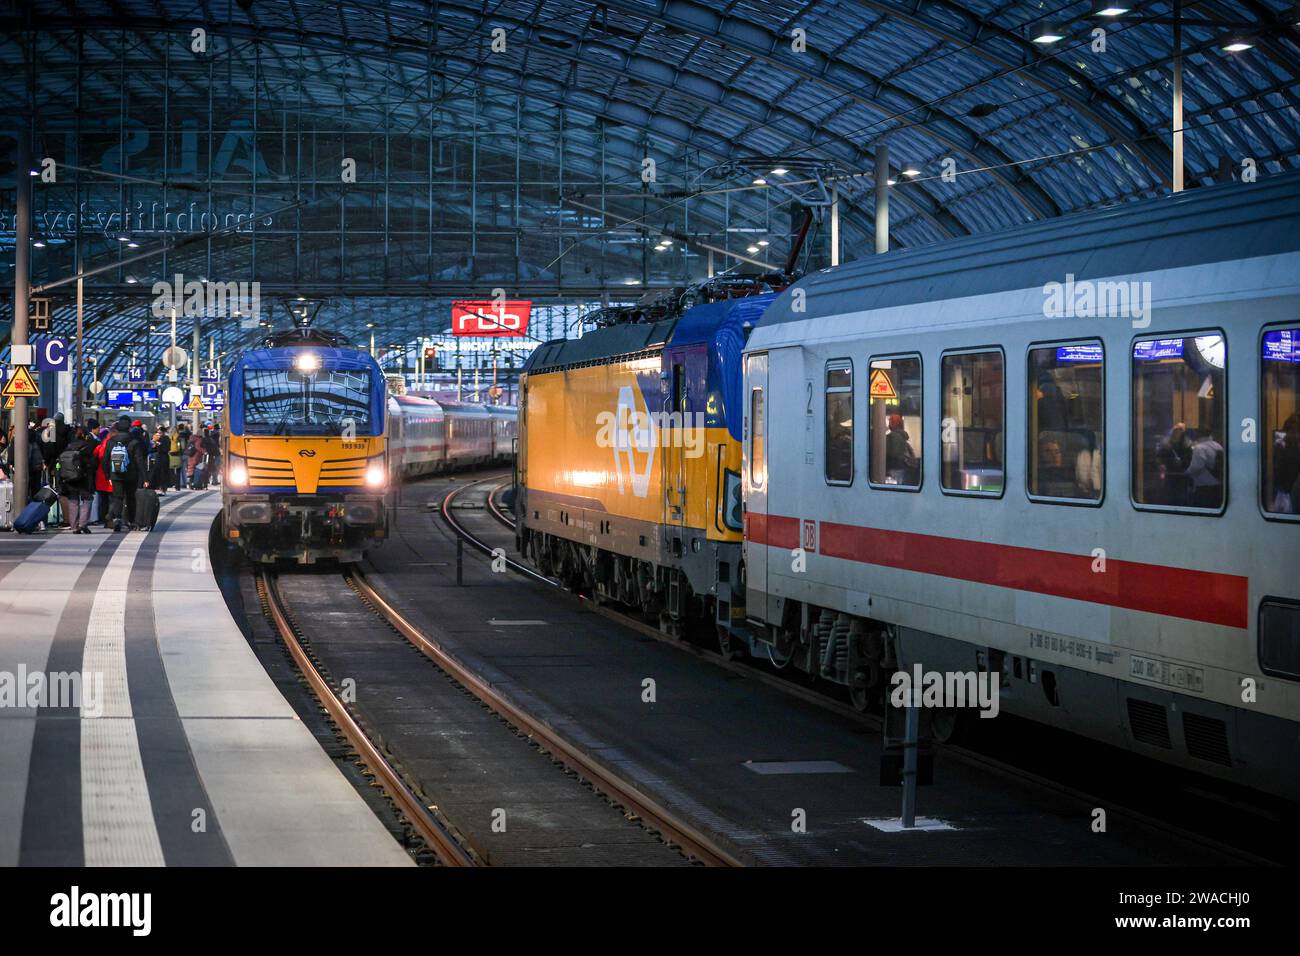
(638, 807)
(1265, 815)
(435, 833)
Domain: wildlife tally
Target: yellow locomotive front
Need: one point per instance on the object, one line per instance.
(306, 455)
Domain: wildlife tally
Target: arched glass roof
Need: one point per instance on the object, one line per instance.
(502, 144)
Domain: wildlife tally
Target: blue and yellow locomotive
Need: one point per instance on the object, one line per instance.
(306, 458)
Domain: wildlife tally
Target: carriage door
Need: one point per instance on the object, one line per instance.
(756, 444)
(674, 467)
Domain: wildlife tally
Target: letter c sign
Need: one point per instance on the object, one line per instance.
(52, 355)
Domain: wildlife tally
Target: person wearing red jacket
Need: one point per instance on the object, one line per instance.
(103, 487)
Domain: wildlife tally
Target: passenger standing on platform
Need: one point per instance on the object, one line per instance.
(103, 487)
(124, 464)
(35, 462)
(162, 448)
(212, 446)
(76, 480)
(175, 444)
(194, 458)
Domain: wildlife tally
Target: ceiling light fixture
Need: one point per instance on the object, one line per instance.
(1045, 33)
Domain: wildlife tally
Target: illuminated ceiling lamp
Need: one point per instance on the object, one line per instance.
(1236, 44)
(1110, 8)
(1045, 33)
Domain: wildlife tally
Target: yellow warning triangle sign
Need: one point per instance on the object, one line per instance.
(9, 402)
(21, 384)
(195, 404)
(881, 386)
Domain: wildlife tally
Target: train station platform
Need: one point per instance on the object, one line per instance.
(137, 727)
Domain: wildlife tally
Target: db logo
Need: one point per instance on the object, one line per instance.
(809, 535)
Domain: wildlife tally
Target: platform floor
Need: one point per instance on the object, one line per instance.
(177, 749)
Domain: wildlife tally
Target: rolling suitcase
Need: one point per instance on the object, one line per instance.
(146, 509)
(6, 505)
(29, 520)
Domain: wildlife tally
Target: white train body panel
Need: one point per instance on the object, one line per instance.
(1157, 605)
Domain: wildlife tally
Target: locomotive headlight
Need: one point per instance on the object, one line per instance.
(307, 362)
(376, 476)
(237, 474)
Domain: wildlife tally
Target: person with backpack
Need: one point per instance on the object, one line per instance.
(103, 486)
(76, 470)
(125, 466)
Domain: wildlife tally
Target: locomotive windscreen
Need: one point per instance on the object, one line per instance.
(293, 403)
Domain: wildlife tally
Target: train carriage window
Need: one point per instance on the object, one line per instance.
(1279, 637)
(758, 441)
(1066, 421)
(839, 422)
(973, 417)
(1279, 380)
(1180, 408)
(894, 423)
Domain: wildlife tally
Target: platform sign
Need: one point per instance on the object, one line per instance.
(881, 386)
(128, 397)
(21, 384)
(208, 375)
(488, 318)
(134, 373)
(214, 396)
(52, 355)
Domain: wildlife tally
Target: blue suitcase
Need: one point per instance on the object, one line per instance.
(30, 518)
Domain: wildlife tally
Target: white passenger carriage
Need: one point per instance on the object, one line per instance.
(1067, 454)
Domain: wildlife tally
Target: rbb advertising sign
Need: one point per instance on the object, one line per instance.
(490, 318)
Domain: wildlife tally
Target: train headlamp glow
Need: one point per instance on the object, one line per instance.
(237, 474)
(307, 362)
(376, 476)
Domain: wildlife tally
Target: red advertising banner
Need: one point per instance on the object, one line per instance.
(490, 318)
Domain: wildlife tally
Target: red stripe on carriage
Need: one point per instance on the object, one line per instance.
(1174, 592)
